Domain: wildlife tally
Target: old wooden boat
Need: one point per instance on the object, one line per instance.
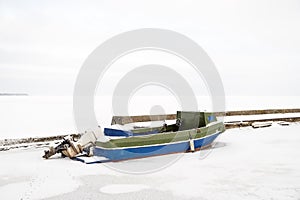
(192, 131)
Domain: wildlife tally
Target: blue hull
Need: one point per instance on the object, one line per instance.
(125, 153)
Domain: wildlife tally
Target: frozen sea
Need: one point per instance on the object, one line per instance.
(244, 163)
(40, 116)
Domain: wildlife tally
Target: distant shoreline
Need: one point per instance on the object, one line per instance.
(13, 94)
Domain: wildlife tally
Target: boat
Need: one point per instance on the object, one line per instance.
(191, 132)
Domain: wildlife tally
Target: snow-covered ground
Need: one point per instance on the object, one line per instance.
(244, 164)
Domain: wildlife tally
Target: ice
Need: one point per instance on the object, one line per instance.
(122, 188)
(27, 116)
(42, 116)
(245, 163)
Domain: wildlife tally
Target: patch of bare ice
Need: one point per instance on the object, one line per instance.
(122, 188)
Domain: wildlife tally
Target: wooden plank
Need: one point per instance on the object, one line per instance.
(145, 118)
(260, 112)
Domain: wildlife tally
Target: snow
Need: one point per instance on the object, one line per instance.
(26, 116)
(122, 188)
(245, 163)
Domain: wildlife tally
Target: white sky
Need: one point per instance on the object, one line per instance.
(255, 44)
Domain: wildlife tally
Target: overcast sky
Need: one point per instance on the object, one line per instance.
(255, 44)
